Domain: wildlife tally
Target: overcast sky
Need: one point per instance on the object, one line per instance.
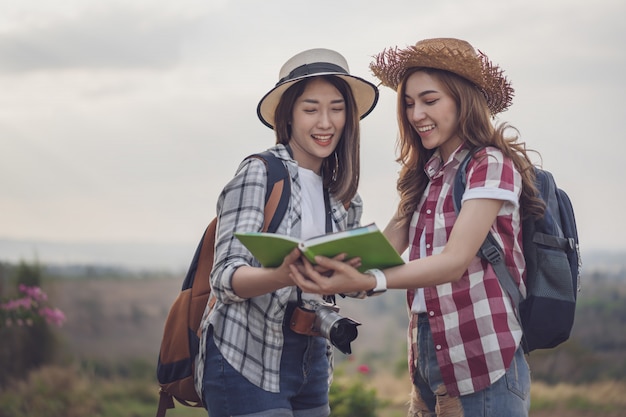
(120, 121)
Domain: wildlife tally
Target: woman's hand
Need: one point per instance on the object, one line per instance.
(345, 278)
(251, 281)
(325, 271)
(283, 272)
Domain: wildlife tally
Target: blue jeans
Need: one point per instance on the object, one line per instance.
(508, 396)
(303, 392)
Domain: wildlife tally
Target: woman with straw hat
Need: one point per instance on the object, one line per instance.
(251, 363)
(465, 356)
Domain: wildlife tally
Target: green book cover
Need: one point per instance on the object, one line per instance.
(366, 242)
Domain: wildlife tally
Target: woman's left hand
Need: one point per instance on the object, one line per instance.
(345, 277)
(325, 271)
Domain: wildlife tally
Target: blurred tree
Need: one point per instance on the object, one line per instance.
(26, 340)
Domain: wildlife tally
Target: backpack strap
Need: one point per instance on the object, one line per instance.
(166, 401)
(278, 190)
(203, 261)
(490, 250)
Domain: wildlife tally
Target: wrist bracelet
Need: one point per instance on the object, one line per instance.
(381, 282)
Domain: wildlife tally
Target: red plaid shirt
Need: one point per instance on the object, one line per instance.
(474, 328)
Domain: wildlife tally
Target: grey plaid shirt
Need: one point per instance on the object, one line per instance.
(248, 332)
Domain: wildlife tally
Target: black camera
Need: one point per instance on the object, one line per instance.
(334, 327)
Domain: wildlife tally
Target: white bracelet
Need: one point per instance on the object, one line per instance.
(381, 282)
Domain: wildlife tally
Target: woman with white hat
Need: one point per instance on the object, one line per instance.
(251, 363)
(465, 353)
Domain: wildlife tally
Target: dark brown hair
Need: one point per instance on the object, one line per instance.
(344, 164)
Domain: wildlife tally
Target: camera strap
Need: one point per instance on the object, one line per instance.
(329, 219)
(329, 229)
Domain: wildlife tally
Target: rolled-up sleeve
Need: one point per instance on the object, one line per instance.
(239, 209)
(494, 177)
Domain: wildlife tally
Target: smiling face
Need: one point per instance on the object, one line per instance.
(432, 112)
(317, 123)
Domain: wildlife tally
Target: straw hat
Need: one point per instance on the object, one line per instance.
(312, 63)
(454, 55)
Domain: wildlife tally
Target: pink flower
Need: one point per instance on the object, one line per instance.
(363, 369)
(25, 303)
(36, 293)
(24, 311)
(52, 315)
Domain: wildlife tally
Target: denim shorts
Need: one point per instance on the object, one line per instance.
(304, 371)
(508, 396)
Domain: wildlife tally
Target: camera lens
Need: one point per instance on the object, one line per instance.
(339, 330)
(342, 333)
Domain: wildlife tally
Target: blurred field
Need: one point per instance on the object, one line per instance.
(124, 317)
(81, 393)
(118, 320)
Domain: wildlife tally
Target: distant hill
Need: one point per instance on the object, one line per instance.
(176, 257)
(133, 256)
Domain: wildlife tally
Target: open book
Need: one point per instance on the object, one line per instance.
(366, 242)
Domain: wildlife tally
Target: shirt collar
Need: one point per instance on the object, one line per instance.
(434, 167)
(281, 151)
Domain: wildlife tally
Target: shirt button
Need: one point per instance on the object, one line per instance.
(428, 211)
(432, 313)
(438, 347)
(428, 245)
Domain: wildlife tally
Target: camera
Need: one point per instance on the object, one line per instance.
(339, 330)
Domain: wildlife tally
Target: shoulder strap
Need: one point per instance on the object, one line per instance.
(278, 190)
(490, 249)
(460, 182)
(328, 214)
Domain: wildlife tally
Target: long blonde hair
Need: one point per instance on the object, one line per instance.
(474, 128)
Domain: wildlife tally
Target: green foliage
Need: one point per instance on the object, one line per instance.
(542, 404)
(53, 391)
(582, 403)
(29, 274)
(25, 348)
(350, 398)
(27, 340)
(578, 402)
(50, 392)
(133, 398)
(133, 368)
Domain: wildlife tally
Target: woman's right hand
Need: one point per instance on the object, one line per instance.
(283, 272)
(345, 278)
(251, 281)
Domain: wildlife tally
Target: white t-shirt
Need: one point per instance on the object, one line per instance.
(313, 211)
(313, 208)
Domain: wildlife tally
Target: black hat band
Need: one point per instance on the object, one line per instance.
(314, 68)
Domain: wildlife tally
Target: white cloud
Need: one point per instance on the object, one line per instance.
(117, 38)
